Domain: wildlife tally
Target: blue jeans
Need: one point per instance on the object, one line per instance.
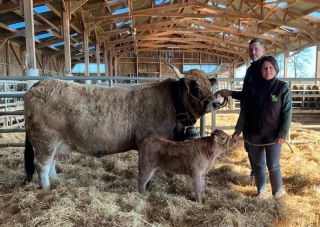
(266, 156)
(247, 148)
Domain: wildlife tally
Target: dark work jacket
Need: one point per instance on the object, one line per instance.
(267, 109)
(253, 72)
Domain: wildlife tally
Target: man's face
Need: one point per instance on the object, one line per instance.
(256, 51)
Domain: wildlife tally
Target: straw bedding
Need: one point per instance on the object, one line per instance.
(103, 191)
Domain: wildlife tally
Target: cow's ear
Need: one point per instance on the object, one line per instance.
(213, 81)
(183, 84)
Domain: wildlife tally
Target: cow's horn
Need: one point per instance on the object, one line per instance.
(176, 70)
(215, 71)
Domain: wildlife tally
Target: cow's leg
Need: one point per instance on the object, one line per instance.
(197, 186)
(45, 144)
(62, 152)
(145, 174)
(52, 172)
(43, 163)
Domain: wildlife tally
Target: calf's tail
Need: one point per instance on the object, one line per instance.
(29, 160)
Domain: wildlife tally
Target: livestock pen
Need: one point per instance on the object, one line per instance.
(103, 191)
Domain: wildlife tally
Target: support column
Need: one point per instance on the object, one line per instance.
(30, 60)
(98, 57)
(318, 62)
(66, 38)
(286, 63)
(110, 68)
(115, 66)
(86, 52)
(110, 63)
(105, 60)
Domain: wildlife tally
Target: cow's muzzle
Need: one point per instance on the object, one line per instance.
(224, 102)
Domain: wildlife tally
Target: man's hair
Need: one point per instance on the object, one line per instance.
(257, 40)
(270, 59)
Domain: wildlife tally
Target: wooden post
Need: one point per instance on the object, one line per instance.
(115, 66)
(30, 41)
(318, 62)
(30, 58)
(86, 52)
(110, 63)
(286, 63)
(8, 58)
(66, 38)
(105, 59)
(98, 56)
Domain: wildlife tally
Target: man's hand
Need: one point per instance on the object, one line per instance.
(280, 140)
(225, 93)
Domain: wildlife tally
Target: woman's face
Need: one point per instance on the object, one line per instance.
(268, 71)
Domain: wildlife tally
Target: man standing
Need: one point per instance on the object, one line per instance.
(256, 51)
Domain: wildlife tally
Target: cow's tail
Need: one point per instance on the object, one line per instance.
(28, 160)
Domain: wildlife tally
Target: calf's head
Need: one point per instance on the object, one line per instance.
(195, 91)
(221, 138)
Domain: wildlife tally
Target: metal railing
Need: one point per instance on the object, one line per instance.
(228, 83)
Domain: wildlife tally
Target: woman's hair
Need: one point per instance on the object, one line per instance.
(270, 59)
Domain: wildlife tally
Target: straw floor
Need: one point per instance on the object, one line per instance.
(103, 191)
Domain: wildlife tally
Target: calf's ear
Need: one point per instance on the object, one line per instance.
(216, 139)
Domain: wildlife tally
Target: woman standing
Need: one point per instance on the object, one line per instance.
(265, 116)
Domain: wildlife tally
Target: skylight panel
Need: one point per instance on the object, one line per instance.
(58, 44)
(118, 11)
(288, 28)
(222, 6)
(41, 9)
(18, 25)
(159, 2)
(238, 27)
(315, 14)
(77, 44)
(283, 5)
(42, 36)
(197, 26)
(121, 23)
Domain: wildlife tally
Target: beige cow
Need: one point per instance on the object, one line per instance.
(64, 117)
(194, 158)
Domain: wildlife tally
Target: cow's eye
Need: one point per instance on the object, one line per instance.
(194, 89)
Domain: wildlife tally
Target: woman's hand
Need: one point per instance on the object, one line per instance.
(235, 137)
(280, 140)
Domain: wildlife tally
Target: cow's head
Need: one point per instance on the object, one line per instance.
(195, 91)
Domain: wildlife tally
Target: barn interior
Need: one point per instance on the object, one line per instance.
(135, 38)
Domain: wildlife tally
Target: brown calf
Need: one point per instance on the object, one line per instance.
(193, 158)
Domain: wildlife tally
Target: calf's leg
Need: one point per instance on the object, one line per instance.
(145, 174)
(197, 186)
(203, 184)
